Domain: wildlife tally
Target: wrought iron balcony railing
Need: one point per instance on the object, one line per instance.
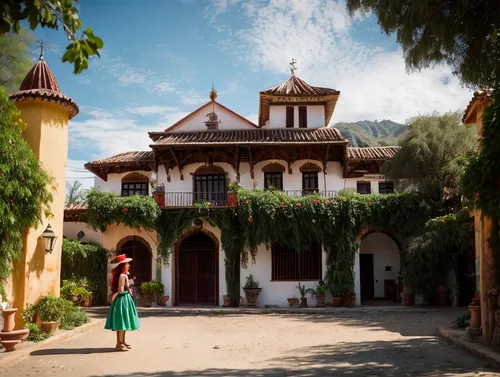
(218, 199)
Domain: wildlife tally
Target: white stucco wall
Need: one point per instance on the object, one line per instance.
(71, 229)
(315, 116)
(385, 253)
(274, 292)
(114, 182)
(228, 121)
(167, 269)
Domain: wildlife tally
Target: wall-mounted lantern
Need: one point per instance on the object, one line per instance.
(49, 239)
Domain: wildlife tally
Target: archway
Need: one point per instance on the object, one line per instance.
(138, 249)
(379, 266)
(197, 269)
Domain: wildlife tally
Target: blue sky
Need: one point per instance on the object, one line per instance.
(161, 58)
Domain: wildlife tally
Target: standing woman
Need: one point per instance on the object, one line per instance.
(122, 314)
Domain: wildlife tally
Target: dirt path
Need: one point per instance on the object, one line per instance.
(183, 345)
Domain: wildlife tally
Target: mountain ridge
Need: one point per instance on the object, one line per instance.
(367, 133)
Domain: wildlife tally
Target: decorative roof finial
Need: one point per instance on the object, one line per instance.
(292, 66)
(213, 94)
(41, 46)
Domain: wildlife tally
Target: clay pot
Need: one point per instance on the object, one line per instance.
(162, 300)
(50, 327)
(337, 301)
(9, 319)
(320, 300)
(409, 299)
(350, 300)
(251, 295)
(148, 301)
(10, 345)
(292, 301)
(85, 303)
(303, 302)
(227, 301)
(15, 335)
(475, 315)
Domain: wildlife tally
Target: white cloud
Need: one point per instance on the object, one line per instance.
(164, 87)
(76, 172)
(151, 110)
(254, 118)
(192, 98)
(373, 81)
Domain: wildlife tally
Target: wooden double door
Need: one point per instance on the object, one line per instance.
(197, 271)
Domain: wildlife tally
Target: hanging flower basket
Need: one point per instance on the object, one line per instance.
(160, 199)
(232, 199)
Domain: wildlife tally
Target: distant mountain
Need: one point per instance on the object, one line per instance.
(371, 134)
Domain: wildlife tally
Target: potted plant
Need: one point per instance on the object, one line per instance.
(51, 311)
(443, 294)
(159, 292)
(147, 292)
(252, 290)
(303, 299)
(408, 296)
(350, 299)
(319, 291)
(232, 195)
(292, 301)
(227, 299)
(337, 294)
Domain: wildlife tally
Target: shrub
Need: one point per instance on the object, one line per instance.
(152, 288)
(50, 309)
(75, 318)
(75, 290)
(251, 283)
(36, 333)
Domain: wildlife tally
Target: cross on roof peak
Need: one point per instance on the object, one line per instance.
(292, 66)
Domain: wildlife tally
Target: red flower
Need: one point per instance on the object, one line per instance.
(370, 202)
(125, 209)
(327, 202)
(345, 200)
(316, 201)
(134, 278)
(246, 201)
(283, 204)
(250, 219)
(298, 204)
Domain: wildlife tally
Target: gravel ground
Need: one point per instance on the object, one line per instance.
(372, 343)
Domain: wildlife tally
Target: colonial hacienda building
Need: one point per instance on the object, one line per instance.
(291, 149)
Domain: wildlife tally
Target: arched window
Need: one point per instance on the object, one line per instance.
(135, 184)
(210, 184)
(273, 175)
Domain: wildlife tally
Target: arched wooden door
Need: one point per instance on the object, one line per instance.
(197, 271)
(141, 265)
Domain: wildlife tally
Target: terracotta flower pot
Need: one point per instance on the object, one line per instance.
(350, 300)
(148, 301)
(9, 319)
(251, 295)
(320, 300)
(227, 301)
(292, 301)
(50, 327)
(85, 303)
(475, 315)
(10, 345)
(337, 301)
(15, 335)
(303, 302)
(408, 299)
(162, 300)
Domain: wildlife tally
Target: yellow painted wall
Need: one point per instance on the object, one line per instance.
(38, 273)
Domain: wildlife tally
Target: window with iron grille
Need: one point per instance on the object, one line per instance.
(386, 187)
(310, 182)
(210, 188)
(302, 117)
(289, 117)
(135, 188)
(290, 264)
(363, 188)
(273, 179)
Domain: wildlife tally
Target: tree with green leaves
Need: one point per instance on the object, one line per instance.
(462, 33)
(24, 197)
(15, 59)
(74, 194)
(53, 14)
(431, 157)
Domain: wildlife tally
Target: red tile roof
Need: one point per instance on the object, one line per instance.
(125, 158)
(121, 163)
(40, 83)
(372, 153)
(483, 94)
(295, 86)
(250, 137)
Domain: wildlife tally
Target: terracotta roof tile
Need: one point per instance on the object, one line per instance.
(250, 137)
(75, 207)
(40, 83)
(372, 153)
(296, 86)
(125, 158)
(483, 94)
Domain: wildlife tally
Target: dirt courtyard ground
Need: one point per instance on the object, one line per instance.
(213, 345)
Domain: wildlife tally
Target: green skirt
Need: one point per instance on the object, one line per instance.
(122, 313)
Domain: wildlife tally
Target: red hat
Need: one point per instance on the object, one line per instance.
(122, 258)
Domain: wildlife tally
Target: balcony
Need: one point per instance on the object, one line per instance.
(177, 200)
